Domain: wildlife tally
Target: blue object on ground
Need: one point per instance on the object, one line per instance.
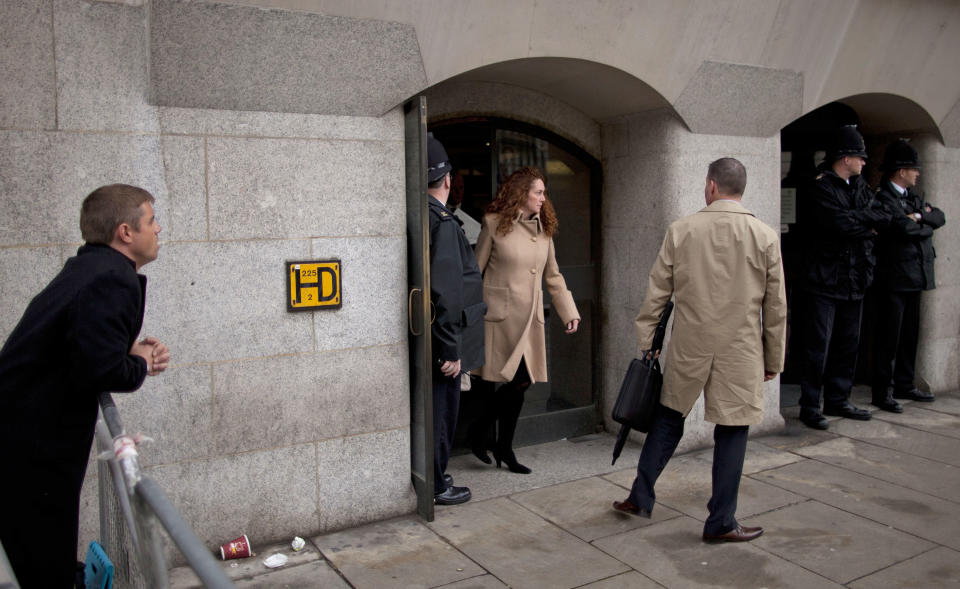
(98, 573)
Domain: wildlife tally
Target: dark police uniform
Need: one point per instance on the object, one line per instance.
(905, 258)
(840, 227)
(456, 291)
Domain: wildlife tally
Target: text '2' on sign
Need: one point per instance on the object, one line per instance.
(313, 284)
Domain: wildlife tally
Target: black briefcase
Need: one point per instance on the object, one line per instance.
(639, 394)
(640, 391)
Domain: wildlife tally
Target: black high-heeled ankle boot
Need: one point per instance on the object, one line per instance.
(479, 449)
(510, 397)
(510, 459)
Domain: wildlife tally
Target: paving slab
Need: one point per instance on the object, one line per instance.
(672, 554)
(631, 580)
(945, 404)
(795, 434)
(936, 569)
(520, 548)
(926, 516)
(903, 439)
(248, 568)
(759, 456)
(552, 463)
(584, 508)
(861, 396)
(395, 553)
(685, 486)
(920, 417)
(907, 470)
(306, 576)
(481, 582)
(832, 542)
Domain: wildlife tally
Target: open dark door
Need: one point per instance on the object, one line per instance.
(418, 304)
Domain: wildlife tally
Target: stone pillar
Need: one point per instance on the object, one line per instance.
(654, 170)
(939, 347)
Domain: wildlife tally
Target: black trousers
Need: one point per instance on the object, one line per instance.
(39, 520)
(831, 339)
(897, 331)
(730, 447)
(446, 404)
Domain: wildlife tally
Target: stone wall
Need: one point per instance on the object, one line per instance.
(267, 422)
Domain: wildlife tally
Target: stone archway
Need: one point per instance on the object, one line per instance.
(653, 166)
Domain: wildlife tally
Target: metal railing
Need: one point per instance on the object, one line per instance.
(7, 579)
(133, 508)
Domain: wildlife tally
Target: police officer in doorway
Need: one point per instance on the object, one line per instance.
(456, 291)
(843, 218)
(904, 268)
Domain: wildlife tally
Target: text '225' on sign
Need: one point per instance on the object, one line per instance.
(313, 284)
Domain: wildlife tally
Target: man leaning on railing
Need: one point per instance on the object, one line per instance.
(76, 339)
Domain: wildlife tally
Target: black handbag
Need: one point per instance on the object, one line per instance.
(640, 391)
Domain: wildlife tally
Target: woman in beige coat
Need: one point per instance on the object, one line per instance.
(516, 255)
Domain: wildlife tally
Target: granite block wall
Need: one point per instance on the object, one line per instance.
(939, 347)
(654, 171)
(267, 422)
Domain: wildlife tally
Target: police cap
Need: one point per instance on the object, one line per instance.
(900, 154)
(847, 141)
(438, 163)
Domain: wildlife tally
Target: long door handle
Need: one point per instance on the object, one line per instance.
(413, 291)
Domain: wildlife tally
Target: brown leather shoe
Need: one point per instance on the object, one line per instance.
(629, 508)
(737, 534)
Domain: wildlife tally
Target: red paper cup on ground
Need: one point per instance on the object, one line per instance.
(239, 548)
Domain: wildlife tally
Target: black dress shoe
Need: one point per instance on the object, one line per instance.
(452, 496)
(847, 410)
(737, 534)
(888, 405)
(915, 395)
(448, 479)
(814, 419)
(629, 508)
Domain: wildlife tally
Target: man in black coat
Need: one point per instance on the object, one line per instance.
(76, 339)
(456, 291)
(842, 219)
(905, 257)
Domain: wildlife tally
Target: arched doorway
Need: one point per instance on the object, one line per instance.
(881, 118)
(484, 151)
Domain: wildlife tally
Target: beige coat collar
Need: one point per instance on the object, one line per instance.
(726, 206)
(532, 225)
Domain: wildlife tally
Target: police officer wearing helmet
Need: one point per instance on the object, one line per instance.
(456, 291)
(904, 268)
(842, 220)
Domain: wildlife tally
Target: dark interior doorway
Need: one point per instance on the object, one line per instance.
(803, 147)
(484, 151)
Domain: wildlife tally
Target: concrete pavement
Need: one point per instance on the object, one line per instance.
(865, 504)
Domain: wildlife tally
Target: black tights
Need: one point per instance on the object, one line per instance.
(502, 406)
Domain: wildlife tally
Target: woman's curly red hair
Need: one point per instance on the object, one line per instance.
(513, 193)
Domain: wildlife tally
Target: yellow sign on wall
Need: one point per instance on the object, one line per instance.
(313, 284)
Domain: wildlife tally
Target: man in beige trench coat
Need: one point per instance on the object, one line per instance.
(723, 267)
